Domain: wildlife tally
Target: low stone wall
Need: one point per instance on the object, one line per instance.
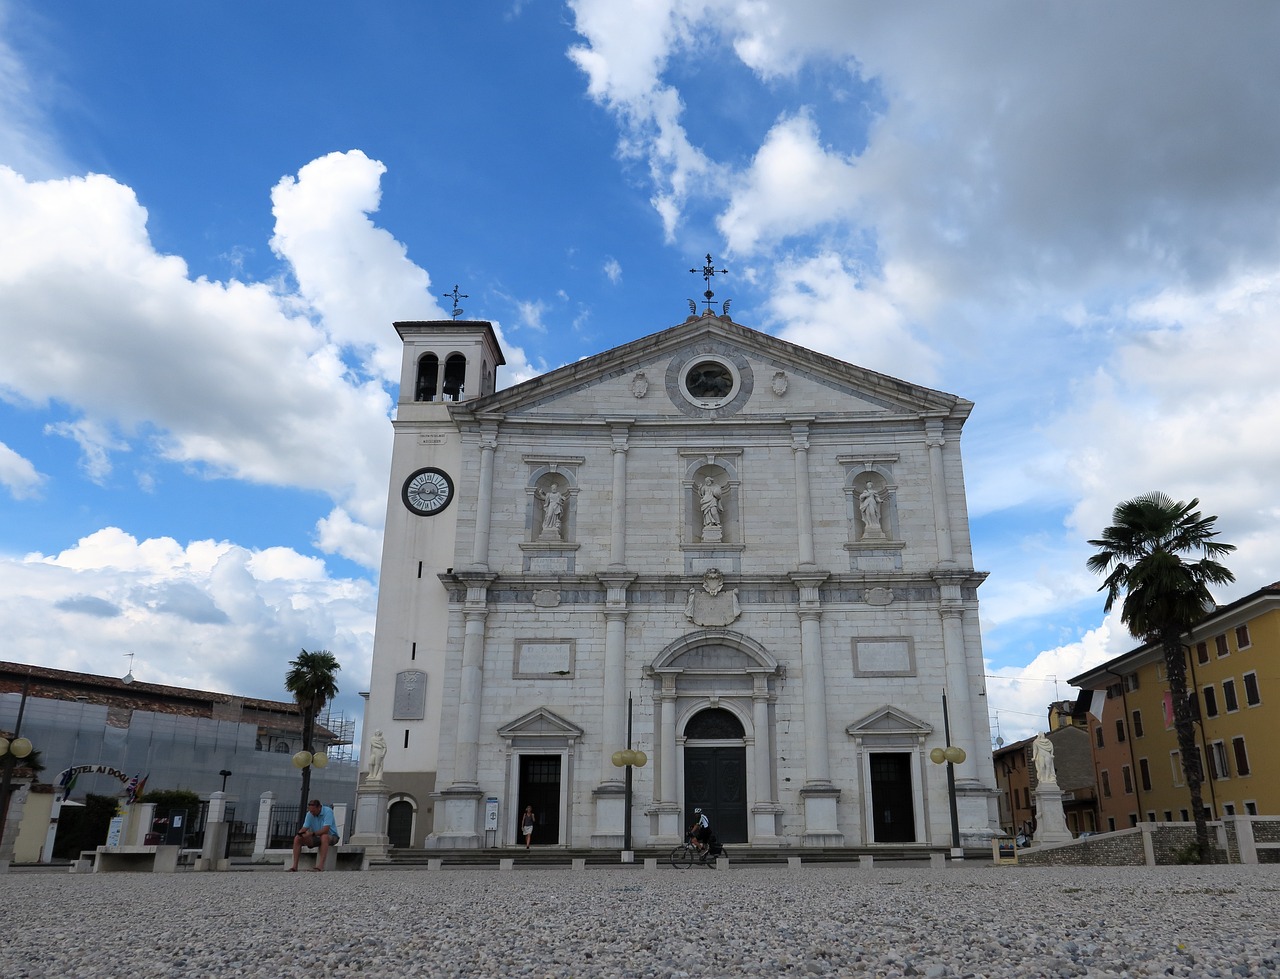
(1236, 839)
(1123, 848)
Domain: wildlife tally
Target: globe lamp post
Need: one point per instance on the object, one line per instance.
(951, 756)
(628, 759)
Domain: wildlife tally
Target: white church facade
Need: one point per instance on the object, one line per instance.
(754, 555)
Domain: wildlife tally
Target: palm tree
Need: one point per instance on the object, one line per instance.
(311, 681)
(1164, 596)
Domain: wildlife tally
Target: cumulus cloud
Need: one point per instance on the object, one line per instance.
(18, 475)
(210, 614)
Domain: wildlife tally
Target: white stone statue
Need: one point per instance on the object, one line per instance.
(709, 494)
(1042, 756)
(552, 500)
(869, 505)
(377, 755)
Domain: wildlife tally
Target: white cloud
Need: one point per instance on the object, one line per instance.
(18, 475)
(209, 614)
(356, 276)
(1020, 696)
(794, 185)
(613, 271)
(96, 445)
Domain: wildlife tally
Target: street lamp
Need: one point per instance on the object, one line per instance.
(304, 758)
(225, 775)
(628, 759)
(12, 752)
(952, 756)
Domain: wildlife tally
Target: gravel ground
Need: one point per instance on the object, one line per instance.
(749, 921)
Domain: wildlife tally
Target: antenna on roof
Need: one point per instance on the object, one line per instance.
(128, 677)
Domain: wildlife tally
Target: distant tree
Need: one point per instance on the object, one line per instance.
(312, 681)
(1142, 554)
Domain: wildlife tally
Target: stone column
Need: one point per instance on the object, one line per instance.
(458, 806)
(804, 506)
(820, 796)
(764, 810)
(262, 836)
(466, 754)
(609, 795)
(938, 482)
(484, 495)
(618, 529)
(670, 829)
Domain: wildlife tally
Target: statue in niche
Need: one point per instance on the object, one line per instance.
(553, 501)
(377, 756)
(870, 501)
(709, 496)
(1042, 756)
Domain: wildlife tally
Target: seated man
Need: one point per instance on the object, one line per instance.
(319, 829)
(700, 832)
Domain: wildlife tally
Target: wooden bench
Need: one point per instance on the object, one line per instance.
(158, 859)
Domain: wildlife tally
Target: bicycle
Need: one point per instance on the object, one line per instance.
(685, 855)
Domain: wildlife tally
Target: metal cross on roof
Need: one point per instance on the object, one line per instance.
(455, 296)
(707, 271)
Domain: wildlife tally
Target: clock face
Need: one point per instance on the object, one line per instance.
(427, 491)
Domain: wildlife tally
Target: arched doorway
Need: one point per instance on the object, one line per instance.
(400, 823)
(715, 772)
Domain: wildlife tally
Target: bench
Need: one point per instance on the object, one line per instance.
(157, 859)
(341, 857)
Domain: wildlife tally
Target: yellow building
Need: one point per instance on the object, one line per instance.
(1233, 672)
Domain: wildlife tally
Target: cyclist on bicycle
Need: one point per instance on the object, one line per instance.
(700, 832)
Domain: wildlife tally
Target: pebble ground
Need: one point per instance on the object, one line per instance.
(840, 920)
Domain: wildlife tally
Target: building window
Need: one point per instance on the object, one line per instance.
(1133, 819)
(1111, 824)
(1202, 653)
(1120, 730)
(1128, 779)
(1242, 637)
(1250, 808)
(1210, 702)
(1218, 760)
(1131, 682)
(1168, 815)
(1183, 814)
(1175, 765)
(1228, 809)
(1106, 783)
(1242, 756)
(1137, 723)
(1151, 815)
(1220, 645)
(1251, 695)
(1229, 696)
(1144, 772)
(1097, 736)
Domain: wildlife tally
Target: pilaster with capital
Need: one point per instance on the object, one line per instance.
(804, 504)
(484, 494)
(938, 483)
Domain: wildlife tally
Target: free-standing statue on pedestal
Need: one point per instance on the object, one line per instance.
(1051, 824)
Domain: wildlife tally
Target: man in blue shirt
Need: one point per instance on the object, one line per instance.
(319, 829)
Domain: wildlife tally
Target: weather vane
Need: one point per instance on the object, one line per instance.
(455, 296)
(707, 272)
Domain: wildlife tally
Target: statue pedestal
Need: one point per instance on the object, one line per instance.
(1051, 824)
(371, 818)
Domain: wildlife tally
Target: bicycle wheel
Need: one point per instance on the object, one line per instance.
(682, 857)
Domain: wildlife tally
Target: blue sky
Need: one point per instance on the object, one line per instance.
(211, 214)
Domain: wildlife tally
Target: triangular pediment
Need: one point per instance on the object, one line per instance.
(643, 378)
(541, 723)
(888, 720)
